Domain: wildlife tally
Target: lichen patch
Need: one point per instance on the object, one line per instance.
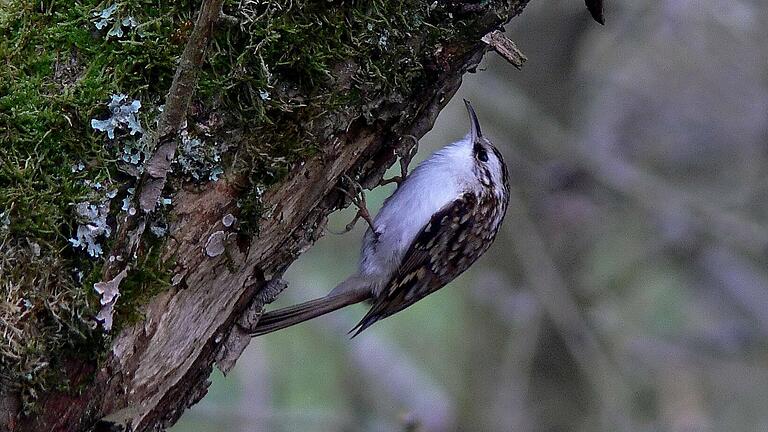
(214, 246)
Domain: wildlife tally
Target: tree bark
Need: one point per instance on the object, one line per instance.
(221, 280)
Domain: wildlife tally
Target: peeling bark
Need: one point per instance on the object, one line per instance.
(159, 367)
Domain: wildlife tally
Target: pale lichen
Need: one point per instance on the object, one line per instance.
(123, 114)
(93, 217)
(228, 220)
(128, 206)
(109, 292)
(199, 160)
(102, 18)
(5, 220)
(158, 230)
(214, 246)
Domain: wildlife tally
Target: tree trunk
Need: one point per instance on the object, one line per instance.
(223, 269)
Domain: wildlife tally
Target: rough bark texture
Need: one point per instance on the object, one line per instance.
(159, 367)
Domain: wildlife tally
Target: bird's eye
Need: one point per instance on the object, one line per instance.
(481, 154)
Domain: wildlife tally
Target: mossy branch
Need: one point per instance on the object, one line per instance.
(294, 98)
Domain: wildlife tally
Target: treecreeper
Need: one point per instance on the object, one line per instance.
(439, 221)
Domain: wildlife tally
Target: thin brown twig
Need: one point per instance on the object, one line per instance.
(170, 121)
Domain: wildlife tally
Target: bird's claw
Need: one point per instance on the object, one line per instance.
(358, 197)
(405, 158)
(358, 200)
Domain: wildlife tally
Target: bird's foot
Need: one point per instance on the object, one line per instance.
(357, 197)
(405, 157)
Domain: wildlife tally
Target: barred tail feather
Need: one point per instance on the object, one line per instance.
(292, 315)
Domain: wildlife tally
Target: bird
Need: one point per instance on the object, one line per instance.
(441, 218)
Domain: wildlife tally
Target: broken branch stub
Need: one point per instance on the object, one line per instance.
(505, 48)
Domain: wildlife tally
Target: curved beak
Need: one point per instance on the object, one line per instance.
(474, 130)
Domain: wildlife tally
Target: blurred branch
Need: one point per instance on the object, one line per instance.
(561, 307)
(651, 192)
(511, 401)
(655, 351)
(496, 379)
(389, 374)
(681, 399)
(256, 394)
(523, 319)
(658, 197)
(741, 280)
(225, 418)
(388, 370)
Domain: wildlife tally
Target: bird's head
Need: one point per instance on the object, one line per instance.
(488, 163)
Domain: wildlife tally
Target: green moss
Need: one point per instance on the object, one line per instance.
(58, 73)
(150, 276)
(287, 65)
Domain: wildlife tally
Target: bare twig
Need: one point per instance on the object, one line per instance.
(177, 103)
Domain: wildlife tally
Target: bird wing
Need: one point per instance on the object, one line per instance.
(443, 249)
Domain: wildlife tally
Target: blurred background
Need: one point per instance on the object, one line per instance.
(628, 288)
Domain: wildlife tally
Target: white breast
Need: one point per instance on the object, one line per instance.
(436, 182)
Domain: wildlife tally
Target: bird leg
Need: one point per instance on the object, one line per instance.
(358, 197)
(405, 160)
(358, 200)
